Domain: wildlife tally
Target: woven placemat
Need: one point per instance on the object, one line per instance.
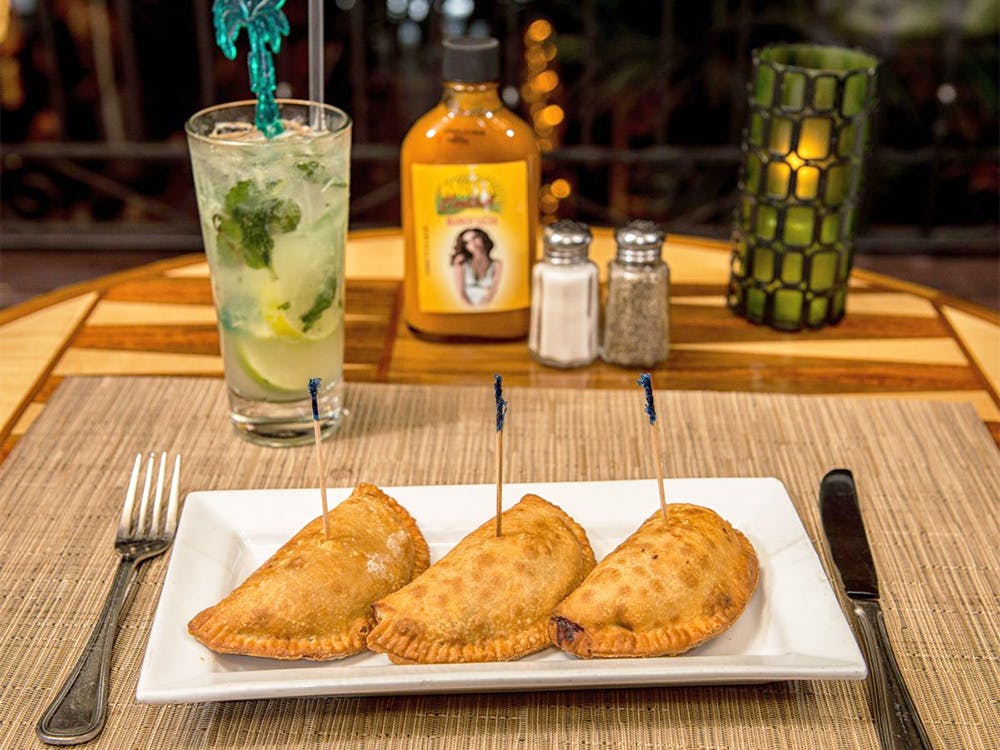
(928, 475)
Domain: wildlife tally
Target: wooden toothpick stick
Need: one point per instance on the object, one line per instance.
(313, 390)
(647, 385)
(501, 415)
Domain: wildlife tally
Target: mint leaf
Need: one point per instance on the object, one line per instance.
(252, 215)
(323, 300)
(312, 171)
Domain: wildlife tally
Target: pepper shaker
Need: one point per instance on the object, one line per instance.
(564, 299)
(637, 313)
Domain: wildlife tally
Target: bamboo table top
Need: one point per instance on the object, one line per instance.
(898, 340)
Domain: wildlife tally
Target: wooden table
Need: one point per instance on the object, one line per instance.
(898, 340)
(927, 474)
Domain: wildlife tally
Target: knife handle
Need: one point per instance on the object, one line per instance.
(897, 720)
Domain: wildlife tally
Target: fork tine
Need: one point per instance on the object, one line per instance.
(141, 525)
(154, 525)
(125, 524)
(171, 525)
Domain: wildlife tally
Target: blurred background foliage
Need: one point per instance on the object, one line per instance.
(639, 107)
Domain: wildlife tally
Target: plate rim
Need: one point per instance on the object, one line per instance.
(346, 680)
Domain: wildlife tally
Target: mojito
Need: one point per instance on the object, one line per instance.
(274, 218)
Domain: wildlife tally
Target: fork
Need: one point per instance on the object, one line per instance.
(78, 712)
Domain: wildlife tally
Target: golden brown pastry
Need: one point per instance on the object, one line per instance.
(670, 586)
(489, 598)
(313, 598)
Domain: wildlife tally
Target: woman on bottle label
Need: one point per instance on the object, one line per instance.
(477, 273)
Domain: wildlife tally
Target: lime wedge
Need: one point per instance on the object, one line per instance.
(285, 365)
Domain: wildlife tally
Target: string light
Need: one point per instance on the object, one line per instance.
(541, 84)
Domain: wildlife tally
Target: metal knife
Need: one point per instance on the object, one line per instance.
(896, 717)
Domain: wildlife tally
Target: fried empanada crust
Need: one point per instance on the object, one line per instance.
(672, 585)
(312, 599)
(490, 597)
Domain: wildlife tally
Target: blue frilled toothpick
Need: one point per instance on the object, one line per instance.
(647, 385)
(501, 415)
(313, 391)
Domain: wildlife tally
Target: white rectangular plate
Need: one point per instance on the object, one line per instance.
(792, 629)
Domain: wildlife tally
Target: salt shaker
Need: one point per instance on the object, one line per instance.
(564, 301)
(637, 312)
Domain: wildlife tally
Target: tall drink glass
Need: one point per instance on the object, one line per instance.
(274, 221)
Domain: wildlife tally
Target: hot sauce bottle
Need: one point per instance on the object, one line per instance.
(470, 174)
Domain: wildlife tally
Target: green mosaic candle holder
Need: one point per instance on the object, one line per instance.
(800, 184)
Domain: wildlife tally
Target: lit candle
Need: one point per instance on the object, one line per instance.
(811, 154)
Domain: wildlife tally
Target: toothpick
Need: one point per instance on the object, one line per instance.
(647, 385)
(501, 414)
(313, 390)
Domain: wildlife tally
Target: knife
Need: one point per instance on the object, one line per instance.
(896, 717)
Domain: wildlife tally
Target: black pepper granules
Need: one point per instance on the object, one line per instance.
(637, 312)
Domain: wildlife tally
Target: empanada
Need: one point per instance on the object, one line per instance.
(490, 597)
(313, 598)
(670, 586)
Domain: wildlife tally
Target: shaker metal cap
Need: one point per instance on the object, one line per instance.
(567, 241)
(639, 241)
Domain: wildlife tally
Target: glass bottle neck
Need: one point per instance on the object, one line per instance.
(471, 98)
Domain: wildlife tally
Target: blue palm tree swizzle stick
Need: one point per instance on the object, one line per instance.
(647, 385)
(265, 23)
(501, 415)
(313, 391)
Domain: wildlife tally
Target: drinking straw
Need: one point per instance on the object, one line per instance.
(316, 62)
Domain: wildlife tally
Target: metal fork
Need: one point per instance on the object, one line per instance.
(80, 709)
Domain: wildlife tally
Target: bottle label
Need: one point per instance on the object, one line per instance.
(472, 237)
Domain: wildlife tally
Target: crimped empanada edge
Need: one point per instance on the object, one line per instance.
(400, 647)
(658, 642)
(222, 640)
(422, 553)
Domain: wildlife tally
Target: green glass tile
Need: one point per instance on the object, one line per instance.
(855, 93)
(756, 299)
(754, 168)
(847, 139)
(780, 141)
(806, 183)
(791, 268)
(757, 129)
(787, 307)
(825, 96)
(837, 180)
(763, 86)
(799, 222)
(814, 138)
(821, 271)
(767, 222)
(817, 310)
(778, 176)
(793, 90)
(763, 264)
(839, 300)
(829, 229)
(845, 257)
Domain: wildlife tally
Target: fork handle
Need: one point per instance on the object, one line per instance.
(79, 710)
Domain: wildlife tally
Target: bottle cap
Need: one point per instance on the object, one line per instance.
(639, 241)
(567, 241)
(471, 59)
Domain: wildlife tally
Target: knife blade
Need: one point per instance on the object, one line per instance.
(896, 718)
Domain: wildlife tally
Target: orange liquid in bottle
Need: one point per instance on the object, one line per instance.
(469, 164)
